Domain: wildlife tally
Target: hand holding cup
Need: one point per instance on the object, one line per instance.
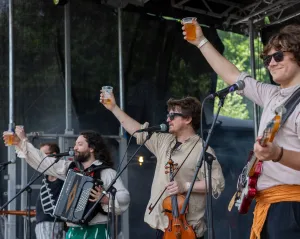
(192, 31)
(107, 97)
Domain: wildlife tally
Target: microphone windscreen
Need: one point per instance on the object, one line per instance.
(71, 153)
(163, 127)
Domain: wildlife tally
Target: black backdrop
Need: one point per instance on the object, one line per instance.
(158, 64)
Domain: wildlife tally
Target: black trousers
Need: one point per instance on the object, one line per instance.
(160, 235)
(283, 221)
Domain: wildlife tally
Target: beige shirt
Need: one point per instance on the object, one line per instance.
(34, 156)
(160, 145)
(269, 97)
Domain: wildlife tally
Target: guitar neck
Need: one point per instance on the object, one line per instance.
(251, 163)
(253, 160)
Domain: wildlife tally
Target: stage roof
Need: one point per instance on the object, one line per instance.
(228, 15)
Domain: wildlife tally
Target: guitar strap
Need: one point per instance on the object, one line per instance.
(290, 106)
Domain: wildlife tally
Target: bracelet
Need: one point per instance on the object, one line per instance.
(279, 157)
(202, 42)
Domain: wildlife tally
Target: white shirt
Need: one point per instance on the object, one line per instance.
(34, 156)
(269, 97)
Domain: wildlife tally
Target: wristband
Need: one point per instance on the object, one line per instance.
(279, 157)
(202, 42)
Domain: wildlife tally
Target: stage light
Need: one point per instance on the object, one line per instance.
(60, 2)
(141, 160)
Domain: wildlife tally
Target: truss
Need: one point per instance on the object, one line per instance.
(262, 13)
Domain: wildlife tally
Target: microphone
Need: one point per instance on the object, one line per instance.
(157, 128)
(239, 85)
(7, 163)
(69, 153)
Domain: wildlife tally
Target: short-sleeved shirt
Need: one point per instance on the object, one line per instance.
(269, 97)
(160, 145)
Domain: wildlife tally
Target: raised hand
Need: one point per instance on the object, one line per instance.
(10, 138)
(199, 33)
(109, 103)
(20, 132)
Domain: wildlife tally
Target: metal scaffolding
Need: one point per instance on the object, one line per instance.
(249, 14)
(64, 139)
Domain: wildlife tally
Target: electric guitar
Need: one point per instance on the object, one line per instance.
(247, 181)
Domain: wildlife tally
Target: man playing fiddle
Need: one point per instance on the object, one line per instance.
(181, 142)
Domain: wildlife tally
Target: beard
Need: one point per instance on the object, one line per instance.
(82, 157)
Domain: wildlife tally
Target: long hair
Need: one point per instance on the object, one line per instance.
(96, 142)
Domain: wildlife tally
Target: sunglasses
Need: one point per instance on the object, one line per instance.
(172, 116)
(278, 57)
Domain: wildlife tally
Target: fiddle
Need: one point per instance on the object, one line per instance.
(178, 227)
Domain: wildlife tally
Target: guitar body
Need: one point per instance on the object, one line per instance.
(249, 192)
(247, 181)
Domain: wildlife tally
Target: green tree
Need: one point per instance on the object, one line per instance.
(237, 51)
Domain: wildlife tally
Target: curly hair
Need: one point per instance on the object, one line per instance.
(96, 142)
(287, 39)
(190, 107)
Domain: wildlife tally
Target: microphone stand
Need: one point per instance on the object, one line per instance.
(209, 159)
(112, 190)
(4, 165)
(28, 189)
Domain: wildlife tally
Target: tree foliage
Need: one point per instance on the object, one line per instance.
(237, 51)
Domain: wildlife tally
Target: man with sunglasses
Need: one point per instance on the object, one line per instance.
(179, 144)
(279, 184)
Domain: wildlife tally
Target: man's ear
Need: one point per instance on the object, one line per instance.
(189, 120)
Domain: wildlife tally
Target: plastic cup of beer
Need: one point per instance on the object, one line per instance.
(107, 90)
(10, 135)
(189, 28)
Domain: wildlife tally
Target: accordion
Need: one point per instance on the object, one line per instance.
(73, 202)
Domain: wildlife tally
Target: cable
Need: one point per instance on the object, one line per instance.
(53, 228)
(36, 170)
(120, 164)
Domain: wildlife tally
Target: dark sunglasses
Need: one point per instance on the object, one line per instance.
(278, 57)
(173, 115)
